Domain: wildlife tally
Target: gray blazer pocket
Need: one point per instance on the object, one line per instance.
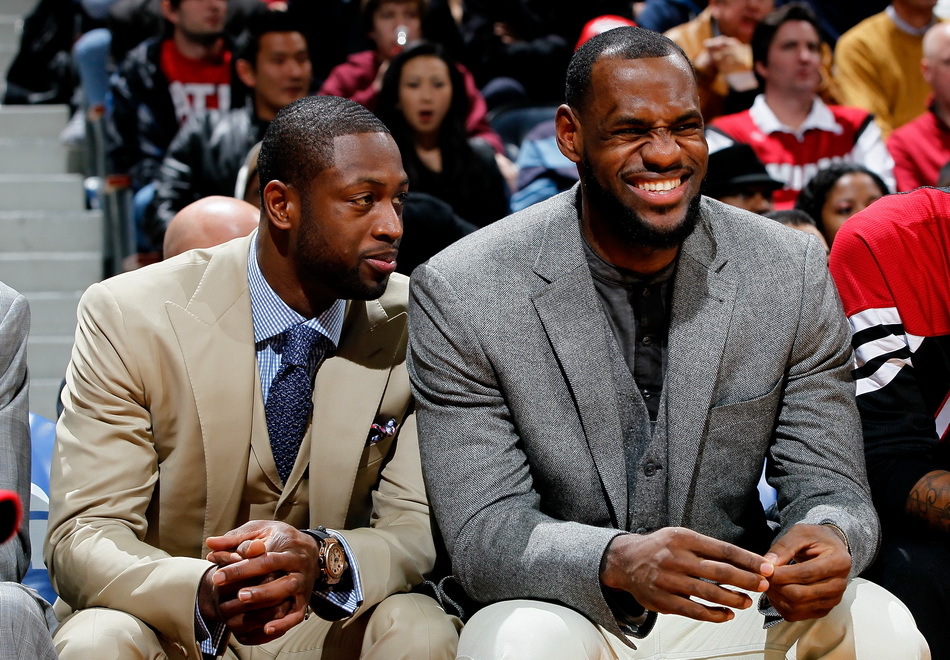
(751, 416)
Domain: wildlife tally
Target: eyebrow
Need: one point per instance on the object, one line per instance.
(636, 121)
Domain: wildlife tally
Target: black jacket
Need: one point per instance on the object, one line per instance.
(203, 159)
(142, 121)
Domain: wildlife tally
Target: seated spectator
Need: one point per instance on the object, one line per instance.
(160, 85)
(890, 263)
(206, 155)
(877, 63)
(391, 25)
(717, 42)
(209, 222)
(922, 146)
(25, 618)
(799, 220)
(737, 177)
(838, 192)
(543, 171)
(423, 103)
(790, 128)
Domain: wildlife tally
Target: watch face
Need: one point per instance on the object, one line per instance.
(336, 561)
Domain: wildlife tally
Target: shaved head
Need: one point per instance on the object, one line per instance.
(935, 38)
(208, 222)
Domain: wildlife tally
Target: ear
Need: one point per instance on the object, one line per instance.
(246, 73)
(170, 14)
(926, 71)
(568, 133)
(761, 69)
(281, 205)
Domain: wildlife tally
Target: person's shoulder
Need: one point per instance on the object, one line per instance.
(865, 32)
(174, 280)
(746, 237)
(926, 124)
(513, 239)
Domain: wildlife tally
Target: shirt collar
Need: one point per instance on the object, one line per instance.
(272, 316)
(904, 26)
(819, 118)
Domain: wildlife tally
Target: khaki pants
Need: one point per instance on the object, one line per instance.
(869, 623)
(407, 626)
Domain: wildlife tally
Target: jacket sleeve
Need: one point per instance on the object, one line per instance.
(15, 430)
(174, 185)
(104, 475)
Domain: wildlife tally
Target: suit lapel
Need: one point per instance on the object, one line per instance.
(573, 320)
(347, 392)
(216, 337)
(704, 295)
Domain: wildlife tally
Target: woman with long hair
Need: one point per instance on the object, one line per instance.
(423, 102)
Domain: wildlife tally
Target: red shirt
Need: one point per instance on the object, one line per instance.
(920, 149)
(196, 85)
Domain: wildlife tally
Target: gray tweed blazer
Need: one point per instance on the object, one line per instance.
(518, 419)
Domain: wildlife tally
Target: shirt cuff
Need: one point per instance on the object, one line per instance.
(211, 639)
(340, 600)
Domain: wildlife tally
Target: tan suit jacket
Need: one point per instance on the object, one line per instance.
(164, 413)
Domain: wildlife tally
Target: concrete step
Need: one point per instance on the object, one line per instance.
(50, 271)
(32, 156)
(44, 393)
(48, 356)
(33, 121)
(10, 28)
(54, 312)
(18, 7)
(49, 192)
(51, 231)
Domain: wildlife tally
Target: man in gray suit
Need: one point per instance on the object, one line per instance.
(24, 615)
(599, 380)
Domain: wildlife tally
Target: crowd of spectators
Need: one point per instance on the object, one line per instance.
(187, 87)
(820, 107)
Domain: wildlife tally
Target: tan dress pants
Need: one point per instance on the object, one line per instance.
(408, 626)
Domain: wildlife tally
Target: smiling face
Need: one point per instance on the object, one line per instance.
(641, 153)
(350, 219)
(850, 194)
(425, 93)
(794, 60)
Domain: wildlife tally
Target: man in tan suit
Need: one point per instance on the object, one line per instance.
(179, 524)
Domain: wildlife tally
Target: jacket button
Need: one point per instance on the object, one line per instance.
(649, 469)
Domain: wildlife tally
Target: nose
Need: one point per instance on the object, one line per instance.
(388, 225)
(661, 152)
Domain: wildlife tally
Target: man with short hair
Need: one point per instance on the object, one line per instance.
(888, 262)
(238, 447)
(877, 63)
(791, 129)
(159, 85)
(208, 152)
(921, 148)
(599, 381)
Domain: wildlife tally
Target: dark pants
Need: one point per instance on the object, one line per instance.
(914, 565)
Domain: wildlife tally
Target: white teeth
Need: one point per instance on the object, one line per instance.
(659, 186)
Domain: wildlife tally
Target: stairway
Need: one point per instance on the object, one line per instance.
(50, 246)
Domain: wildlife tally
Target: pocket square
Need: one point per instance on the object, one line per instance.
(379, 432)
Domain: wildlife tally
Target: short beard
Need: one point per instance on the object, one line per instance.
(631, 225)
(206, 40)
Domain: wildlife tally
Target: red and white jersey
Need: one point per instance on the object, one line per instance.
(196, 85)
(829, 134)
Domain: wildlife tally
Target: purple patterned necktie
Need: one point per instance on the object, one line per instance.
(290, 399)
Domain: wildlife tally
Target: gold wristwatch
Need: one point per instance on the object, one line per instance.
(331, 558)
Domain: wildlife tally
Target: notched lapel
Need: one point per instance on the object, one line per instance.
(574, 323)
(704, 295)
